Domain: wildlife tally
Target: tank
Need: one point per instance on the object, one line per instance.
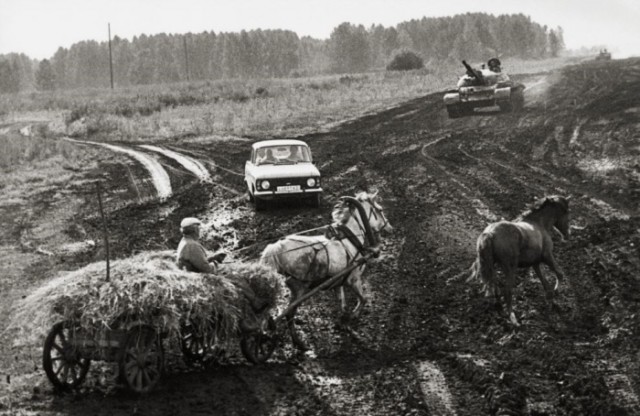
(483, 87)
(604, 55)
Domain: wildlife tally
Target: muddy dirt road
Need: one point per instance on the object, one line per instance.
(429, 343)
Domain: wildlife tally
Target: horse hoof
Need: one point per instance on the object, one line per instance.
(344, 320)
(342, 324)
(301, 345)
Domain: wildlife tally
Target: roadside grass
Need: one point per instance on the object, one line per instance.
(235, 107)
(35, 164)
(254, 107)
(19, 150)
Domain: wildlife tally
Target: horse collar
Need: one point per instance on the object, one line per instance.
(353, 239)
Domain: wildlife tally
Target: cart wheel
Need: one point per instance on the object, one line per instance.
(142, 359)
(257, 346)
(61, 361)
(196, 349)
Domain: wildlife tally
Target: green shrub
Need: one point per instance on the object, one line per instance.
(405, 61)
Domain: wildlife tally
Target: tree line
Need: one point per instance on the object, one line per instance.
(166, 58)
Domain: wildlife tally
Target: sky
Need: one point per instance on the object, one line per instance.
(38, 28)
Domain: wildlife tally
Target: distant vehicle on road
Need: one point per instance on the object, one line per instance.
(604, 55)
(281, 169)
(484, 88)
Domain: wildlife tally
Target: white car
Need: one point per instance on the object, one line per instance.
(281, 169)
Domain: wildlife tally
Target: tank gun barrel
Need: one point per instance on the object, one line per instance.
(472, 72)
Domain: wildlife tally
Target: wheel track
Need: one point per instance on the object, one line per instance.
(192, 165)
(159, 176)
(481, 208)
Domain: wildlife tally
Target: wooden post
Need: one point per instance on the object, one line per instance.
(104, 227)
(186, 56)
(110, 56)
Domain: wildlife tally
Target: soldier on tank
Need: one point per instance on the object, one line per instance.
(494, 65)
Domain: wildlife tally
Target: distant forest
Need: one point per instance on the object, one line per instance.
(351, 48)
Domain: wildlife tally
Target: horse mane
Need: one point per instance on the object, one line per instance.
(342, 215)
(541, 203)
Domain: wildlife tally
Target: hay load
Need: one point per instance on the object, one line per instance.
(149, 288)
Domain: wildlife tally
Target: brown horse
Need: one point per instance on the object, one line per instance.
(308, 261)
(526, 242)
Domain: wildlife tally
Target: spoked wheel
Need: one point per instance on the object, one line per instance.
(258, 346)
(142, 359)
(61, 360)
(197, 349)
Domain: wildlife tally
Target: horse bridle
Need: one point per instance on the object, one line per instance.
(375, 211)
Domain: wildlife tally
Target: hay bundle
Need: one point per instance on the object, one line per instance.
(265, 283)
(151, 289)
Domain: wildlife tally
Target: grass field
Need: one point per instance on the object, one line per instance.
(256, 108)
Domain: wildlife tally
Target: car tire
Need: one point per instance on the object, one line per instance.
(250, 195)
(261, 204)
(314, 200)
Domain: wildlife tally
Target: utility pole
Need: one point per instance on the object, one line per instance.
(186, 56)
(110, 56)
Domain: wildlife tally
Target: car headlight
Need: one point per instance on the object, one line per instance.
(265, 184)
(311, 182)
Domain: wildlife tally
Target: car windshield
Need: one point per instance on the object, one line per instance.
(282, 155)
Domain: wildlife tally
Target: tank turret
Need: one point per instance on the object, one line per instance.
(484, 87)
(473, 73)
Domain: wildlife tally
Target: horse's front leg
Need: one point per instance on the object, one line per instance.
(297, 290)
(341, 298)
(550, 261)
(509, 282)
(547, 289)
(355, 281)
(549, 293)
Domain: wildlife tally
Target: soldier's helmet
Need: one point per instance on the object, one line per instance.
(494, 64)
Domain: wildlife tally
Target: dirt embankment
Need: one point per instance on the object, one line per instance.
(429, 342)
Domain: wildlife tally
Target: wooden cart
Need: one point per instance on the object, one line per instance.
(136, 348)
(258, 344)
(138, 351)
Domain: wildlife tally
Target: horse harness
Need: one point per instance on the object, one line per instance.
(340, 233)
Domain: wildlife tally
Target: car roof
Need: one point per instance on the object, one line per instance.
(279, 142)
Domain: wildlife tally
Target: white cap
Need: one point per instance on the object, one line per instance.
(189, 221)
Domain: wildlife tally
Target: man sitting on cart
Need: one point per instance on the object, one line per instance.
(192, 257)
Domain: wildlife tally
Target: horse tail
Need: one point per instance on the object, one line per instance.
(482, 267)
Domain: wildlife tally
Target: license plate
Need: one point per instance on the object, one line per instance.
(289, 188)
